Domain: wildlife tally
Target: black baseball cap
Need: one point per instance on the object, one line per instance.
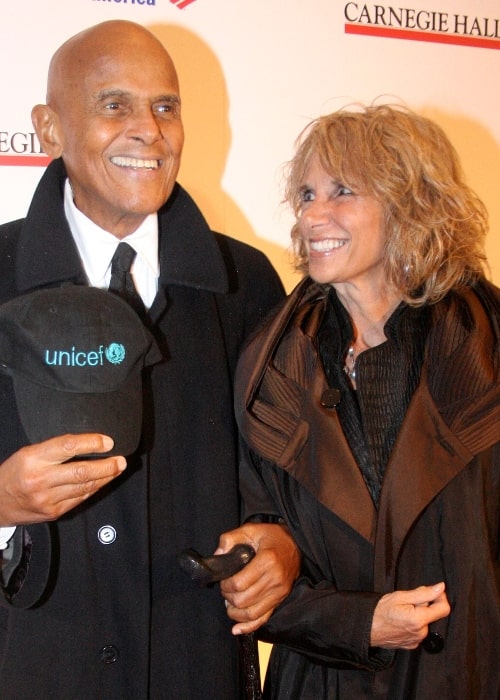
(76, 356)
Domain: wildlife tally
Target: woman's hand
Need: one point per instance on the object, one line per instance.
(401, 619)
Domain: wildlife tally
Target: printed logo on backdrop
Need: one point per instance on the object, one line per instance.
(181, 4)
(394, 22)
(21, 148)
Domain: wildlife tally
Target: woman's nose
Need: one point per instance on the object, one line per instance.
(316, 212)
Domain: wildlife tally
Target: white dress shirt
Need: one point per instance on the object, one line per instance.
(97, 246)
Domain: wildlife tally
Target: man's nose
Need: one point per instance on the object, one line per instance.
(144, 125)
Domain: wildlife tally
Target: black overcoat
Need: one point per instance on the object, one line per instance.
(108, 613)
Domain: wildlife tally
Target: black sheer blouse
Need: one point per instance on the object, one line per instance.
(386, 377)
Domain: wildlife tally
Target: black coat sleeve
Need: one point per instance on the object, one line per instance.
(316, 619)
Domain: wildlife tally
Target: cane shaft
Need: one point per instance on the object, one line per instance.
(250, 657)
(206, 571)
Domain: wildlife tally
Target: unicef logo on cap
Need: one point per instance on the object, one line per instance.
(115, 353)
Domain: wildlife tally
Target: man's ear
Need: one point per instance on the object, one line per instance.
(48, 129)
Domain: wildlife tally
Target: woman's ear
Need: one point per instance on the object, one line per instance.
(48, 130)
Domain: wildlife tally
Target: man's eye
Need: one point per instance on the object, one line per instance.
(112, 106)
(170, 108)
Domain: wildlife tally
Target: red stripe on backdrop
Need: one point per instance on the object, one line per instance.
(182, 4)
(410, 35)
(41, 161)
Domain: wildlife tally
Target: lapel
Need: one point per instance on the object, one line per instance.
(282, 413)
(47, 254)
(325, 466)
(425, 458)
(189, 252)
(429, 451)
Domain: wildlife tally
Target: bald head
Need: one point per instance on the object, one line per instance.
(91, 48)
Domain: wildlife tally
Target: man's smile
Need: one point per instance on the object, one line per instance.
(137, 163)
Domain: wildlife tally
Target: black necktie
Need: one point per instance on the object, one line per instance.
(121, 282)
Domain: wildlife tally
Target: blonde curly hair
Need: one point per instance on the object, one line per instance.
(436, 225)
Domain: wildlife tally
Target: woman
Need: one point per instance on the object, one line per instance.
(369, 406)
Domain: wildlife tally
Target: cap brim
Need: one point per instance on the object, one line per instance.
(47, 413)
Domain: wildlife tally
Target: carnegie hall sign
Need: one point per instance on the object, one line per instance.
(435, 25)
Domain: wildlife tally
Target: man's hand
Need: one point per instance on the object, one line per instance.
(37, 483)
(253, 593)
(401, 619)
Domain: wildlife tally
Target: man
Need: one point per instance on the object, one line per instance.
(87, 616)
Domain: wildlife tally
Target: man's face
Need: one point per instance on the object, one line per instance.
(120, 129)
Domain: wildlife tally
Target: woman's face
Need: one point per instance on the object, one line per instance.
(343, 232)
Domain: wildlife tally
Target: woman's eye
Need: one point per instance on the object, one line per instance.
(343, 190)
(306, 195)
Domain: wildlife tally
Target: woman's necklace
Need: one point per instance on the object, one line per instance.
(350, 364)
(371, 335)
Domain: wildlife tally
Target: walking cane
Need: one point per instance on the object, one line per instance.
(208, 570)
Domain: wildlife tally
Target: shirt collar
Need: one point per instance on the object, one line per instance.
(97, 246)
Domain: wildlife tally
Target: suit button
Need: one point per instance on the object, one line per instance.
(108, 654)
(433, 643)
(106, 534)
(330, 398)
